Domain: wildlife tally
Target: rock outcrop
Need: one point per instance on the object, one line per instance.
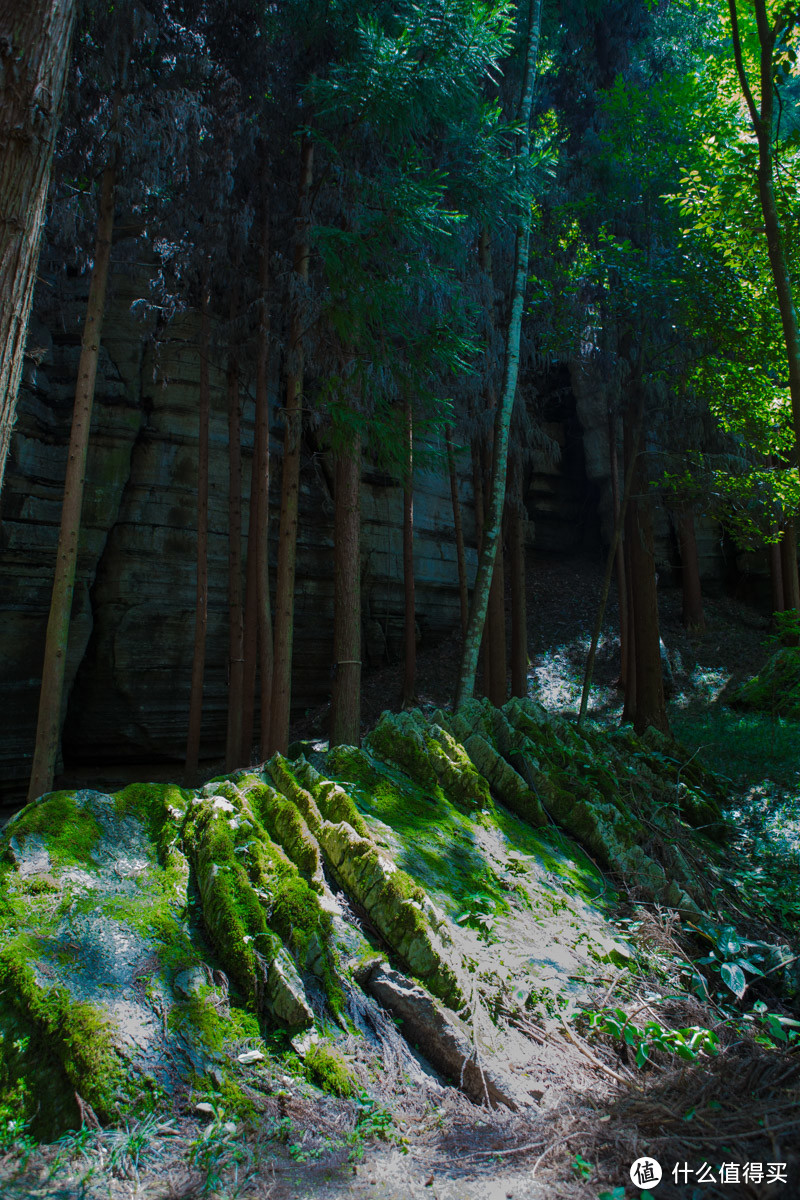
(150, 940)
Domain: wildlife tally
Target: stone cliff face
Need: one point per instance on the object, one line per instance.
(133, 616)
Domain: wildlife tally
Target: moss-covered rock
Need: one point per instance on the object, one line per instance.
(776, 687)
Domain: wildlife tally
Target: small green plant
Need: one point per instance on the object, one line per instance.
(373, 1122)
(618, 1193)
(774, 1027)
(733, 955)
(217, 1150)
(14, 1125)
(582, 1167)
(687, 1043)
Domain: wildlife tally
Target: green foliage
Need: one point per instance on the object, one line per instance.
(688, 1043)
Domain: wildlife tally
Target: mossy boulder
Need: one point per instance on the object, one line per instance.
(776, 687)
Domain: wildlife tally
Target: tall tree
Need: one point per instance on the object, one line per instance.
(201, 590)
(409, 606)
(281, 698)
(48, 727)
(345, 725)
(35, 43)
(493, 525)
(772, 33)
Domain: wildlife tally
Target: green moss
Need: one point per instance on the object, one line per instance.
(326, 1067)
(69, 831)
(776, 688)
(287, 827)
(80, 1035)
(282, 773)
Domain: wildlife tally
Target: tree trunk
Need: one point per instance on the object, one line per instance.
(233, 745)
(519, 607)
(48, 728)
(477, 502)
(775, 576)
(692, 614)
(762, 118)
(250, 627)
(201, 596)
(258, 518)
(497, 684)
(629, 704)
(463, 591)
(791, 589)
(34, 48)
(281, 701)
(494, 517)
(650, 706)
(620, 512)
(409, 614)
(619, 557)
(261, 464)
(345, 726)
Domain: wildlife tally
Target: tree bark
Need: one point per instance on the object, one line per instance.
(692, 615)
(619, 557)
(35, 43)
(497, 685)
(761, 115)
(775, 576)
(650, 706)
(492, 527)
(791, 588)
(281, 701)
(345, 726)
(461, 560)
(261, 463)
(48, 728)
(519, 606)
(409, 613)
(256, 531)
(620, 510)
(478, 506)
(233, 745)
(201, 595)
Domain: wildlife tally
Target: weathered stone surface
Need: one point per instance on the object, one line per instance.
(437, 1032)
(128, 694)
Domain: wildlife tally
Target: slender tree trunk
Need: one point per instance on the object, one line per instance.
(201, 596)
(775, 576)
(629, 704)
(256, 531)
(281, 701)
(692, 614)
(519, 606)
(261, 463)
(630, 450)
(619, 557)
(35, 39)
(497, 687)
(250, 626)
(409, 615)
(791, 589)
(650, 706)
(492, 528)
(233, 747)
(620, 512)
(461, 559)
(478, 505)
(761, 115)
(48, 728)
(346, 693)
